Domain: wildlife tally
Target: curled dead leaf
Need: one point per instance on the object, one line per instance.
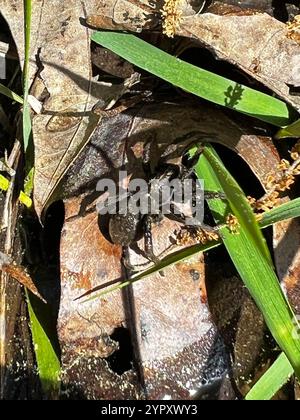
(8, 266)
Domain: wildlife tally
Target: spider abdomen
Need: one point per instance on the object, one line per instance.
(123, 228)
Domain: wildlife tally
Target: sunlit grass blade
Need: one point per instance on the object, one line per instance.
(10, 94)
(239, 203)
(45, 350)
(166, 262)
(286, 211)
(249, 257)
(272, 381)
(27, 127)
(195, 80)
(4, 183)
(293, 130)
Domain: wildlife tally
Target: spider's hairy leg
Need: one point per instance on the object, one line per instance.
(190, 164)
(126, 259)
(150, 151)
(148, 239)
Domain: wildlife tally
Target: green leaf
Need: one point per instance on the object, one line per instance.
(289, 210)
(27, 127)
(46, 350)
(29, 182)
(195, 80)
(238, 202)
(24, 199)
(272, 381)
(247, 251)
(292, 130)
(10, 94)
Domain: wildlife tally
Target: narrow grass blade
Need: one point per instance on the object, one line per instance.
(293, 130)
(239, 203)
(285, 211)
(272, 381)
(195, 80)
(10, 94)
(27, 127)
(26, 200)
(46, 351)
(168, 261)
(247, 252)
(4, 183)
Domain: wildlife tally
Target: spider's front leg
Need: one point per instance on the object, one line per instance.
(126, 259)
(149, 252)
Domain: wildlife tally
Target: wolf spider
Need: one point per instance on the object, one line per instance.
(125, 229)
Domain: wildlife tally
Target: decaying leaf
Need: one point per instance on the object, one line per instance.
(61, 46)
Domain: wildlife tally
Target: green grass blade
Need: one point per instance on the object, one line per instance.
(195, 80)
(10, 94)
(46, 351)
(292, 130)
(272, 381)
(238, 202)
(246, 250)
(24, 198)
(285, 211)
(27, 127)
(4, 183)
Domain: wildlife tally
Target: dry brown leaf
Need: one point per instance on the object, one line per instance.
(8, 266)
(258, 44)
(131, 15)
